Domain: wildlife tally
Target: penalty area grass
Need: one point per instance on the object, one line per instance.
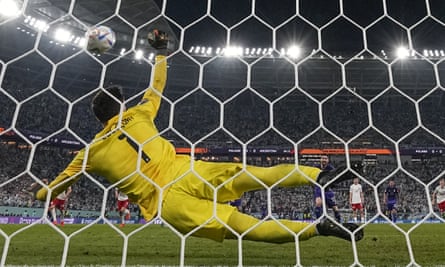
(154, 245)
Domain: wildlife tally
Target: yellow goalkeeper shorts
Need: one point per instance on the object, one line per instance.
(189, 202)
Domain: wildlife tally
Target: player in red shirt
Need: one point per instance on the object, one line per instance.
(59, 203)
(122, 206)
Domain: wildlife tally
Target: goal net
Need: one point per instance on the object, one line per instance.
(255, 82)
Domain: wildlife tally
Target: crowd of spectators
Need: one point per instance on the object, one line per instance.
(23, 164)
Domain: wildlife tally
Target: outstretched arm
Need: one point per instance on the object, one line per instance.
(153, 94)
(65, 179)
(159, 41)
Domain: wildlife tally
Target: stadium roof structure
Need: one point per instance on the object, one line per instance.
(319, 74)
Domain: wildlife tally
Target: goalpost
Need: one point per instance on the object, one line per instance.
(359, 81)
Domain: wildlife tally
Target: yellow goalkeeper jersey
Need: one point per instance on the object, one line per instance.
(132, 152)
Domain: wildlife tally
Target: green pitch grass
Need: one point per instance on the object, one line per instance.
(154, 245)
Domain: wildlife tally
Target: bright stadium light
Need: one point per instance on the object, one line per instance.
(122, 51)
(442, 53)
(294, 51)
(32, 21)
(402, 52)
(209, 50)
(62, 35)
(9, 8)
(191, 49)
(232, 51)
(82, 42)
(139, 54)
(41, 25)
(218, 50)
(197, 48)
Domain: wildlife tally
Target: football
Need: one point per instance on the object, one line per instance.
(100, 39)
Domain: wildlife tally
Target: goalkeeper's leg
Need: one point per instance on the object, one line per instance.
(272, 232)
(268, 231)
(271, 175)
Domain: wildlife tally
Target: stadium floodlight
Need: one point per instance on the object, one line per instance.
(9, 8)
(425, 52)
(294, 51)
(122, 51)
(151, 56)
(41, 25)
(442, 53)
(82, 42)
(139, 54)
(32, 21)
(232, 51)
(209, 50)
(191, 49)
(218, 50)
(62, 35)
(436, 53)
(402, 52)
(197, 49)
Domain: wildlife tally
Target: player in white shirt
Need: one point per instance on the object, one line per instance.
(439, 197)
(122, 206)
(356, 200)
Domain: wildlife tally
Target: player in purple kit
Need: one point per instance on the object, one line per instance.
(329, 194)
(390, 198)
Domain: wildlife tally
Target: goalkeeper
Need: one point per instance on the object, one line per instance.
(130, 153)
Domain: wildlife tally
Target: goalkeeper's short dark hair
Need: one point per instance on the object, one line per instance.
(106, 107)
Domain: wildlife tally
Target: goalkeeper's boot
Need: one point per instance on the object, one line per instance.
(325, 176)
(329, 228)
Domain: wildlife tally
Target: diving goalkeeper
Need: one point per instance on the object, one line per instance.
(130, 153)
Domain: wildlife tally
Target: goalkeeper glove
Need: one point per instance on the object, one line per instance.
(158, 40)
(32, 189)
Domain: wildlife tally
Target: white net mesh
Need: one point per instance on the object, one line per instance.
(255, 82)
